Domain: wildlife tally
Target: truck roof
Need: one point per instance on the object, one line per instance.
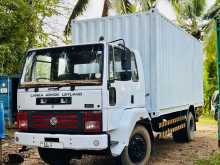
(90, 43)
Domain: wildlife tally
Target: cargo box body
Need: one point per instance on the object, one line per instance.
(172, 59)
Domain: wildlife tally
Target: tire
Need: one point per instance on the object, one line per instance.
(54, 156)
(187, 134)
(139, 142)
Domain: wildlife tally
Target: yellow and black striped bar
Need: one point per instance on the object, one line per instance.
(172, 130)
(171, 121)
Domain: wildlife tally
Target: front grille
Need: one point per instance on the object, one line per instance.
(56, 122)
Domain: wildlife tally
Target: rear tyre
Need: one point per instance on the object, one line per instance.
(187, 134)
(139, 149)
(54, 156)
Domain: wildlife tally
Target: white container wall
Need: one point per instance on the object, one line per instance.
(171, 57)
(179, 67)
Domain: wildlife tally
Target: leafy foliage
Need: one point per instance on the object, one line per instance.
(143, 5)
(21, 27)
(78, 10)
(210, 50)
(214, 11)
(189, 13)
(124, 7)
(210, 65)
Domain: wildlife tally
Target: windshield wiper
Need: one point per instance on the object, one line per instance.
(81, 81)
(59, 84)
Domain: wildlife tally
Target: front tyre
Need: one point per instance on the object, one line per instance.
(139, 149)
(54, 156)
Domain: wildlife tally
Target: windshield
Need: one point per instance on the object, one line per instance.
(72, 64)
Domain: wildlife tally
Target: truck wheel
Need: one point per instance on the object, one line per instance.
(139, 149)
(187, 134)
(54, 156)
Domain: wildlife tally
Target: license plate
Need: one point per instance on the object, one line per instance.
(51, 145)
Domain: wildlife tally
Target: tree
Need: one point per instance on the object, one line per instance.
(21, 27)
(214, 11)
(121, 7)
(210, 64)
(144, 5)
(189, 14)
(210, 50)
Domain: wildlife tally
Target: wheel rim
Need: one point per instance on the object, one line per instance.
(137, 148)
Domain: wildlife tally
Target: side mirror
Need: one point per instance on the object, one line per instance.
(126, 61)
(112, 96)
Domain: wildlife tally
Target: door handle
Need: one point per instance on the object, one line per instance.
(112, 96)
(132, 99)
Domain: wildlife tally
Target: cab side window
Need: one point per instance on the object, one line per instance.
(119, 71)
(111, 64)
(116, 69)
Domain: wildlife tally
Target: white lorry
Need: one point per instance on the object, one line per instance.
(126, 80)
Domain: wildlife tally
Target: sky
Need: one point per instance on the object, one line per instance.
(55, 25)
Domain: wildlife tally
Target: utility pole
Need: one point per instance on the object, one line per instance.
(218, 65)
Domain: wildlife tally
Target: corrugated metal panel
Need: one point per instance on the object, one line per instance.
(172, 58)
(179, 61)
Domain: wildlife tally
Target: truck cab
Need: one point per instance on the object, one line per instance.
(80, 98)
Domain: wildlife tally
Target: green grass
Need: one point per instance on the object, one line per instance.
(213, 160)
(207, 119)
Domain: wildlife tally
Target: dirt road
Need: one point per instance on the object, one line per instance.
(166, 151)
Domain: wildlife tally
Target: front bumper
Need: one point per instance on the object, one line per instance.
(75, 142)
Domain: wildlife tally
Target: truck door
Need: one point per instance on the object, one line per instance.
(124, 86)
(118, 85)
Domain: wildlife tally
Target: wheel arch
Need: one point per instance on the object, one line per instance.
(147, 124)
(129, 119)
